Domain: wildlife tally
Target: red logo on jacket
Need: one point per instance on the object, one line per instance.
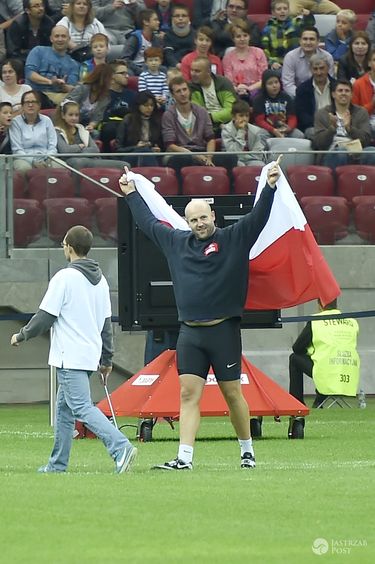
(212, 248)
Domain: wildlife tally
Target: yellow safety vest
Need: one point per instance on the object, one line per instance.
(334, 354)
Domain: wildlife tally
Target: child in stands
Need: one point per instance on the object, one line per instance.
(203, 45)
(140, 40)
(6, 114)
(337, 41)
(282, 32)
(73, 137)
(274, 109)
(99, 46)
(153, 79)
(239, 136)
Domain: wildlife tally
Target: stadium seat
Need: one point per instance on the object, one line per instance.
(289, 148)
(18, 185)
(327, 216)
(259, 7)
(106, 176)
(325, 23)
(311, 180)
(362, 8)
(49, 112)
(133, 83)
(106, 217)
(203, 170)
(28, 220)
(207, 181)
(260, 19)
(63, 213)
(355, 180)
(163, 177)
(246, 179)
(45, 183)
(364, 217)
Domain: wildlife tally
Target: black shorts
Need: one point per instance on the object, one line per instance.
(218, 346)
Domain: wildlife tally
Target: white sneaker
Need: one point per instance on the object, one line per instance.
(124, 461)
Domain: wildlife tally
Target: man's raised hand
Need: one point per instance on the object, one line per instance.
(126, 186)
(273, 173)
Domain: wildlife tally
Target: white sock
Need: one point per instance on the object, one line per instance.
(185, 453)
(246, 446)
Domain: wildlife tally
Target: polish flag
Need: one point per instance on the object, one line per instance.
(286, 265)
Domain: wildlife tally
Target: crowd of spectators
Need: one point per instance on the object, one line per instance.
(149, 77)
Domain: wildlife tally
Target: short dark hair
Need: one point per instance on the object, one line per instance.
(26, 4)
(35, 93)
(145, 16)
(16, 65)
(80, 238)
(245, 4)
(3, 104)
(342, 81)
(179, 7)
(240, 107)
(310, 28)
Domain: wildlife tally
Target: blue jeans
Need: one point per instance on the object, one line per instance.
(334, 159)
(74, 402)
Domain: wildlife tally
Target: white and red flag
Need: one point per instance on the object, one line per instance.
(286, 265)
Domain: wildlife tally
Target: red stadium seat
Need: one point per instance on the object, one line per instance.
(106, 217)
(197, 169)
(106, 176)
(364, 217)
(204, 181)
(18, 185)
(49, 112)
(259, 7)
(355, 180)
(63, 213)
(45, 183)
(133, 83)
(28, 220)
(246, 179)
(311, 180)
(328, 217)
(163, 177)
(260, 19)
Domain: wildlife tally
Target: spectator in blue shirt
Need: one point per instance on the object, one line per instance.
(337, 40)
(50, 70)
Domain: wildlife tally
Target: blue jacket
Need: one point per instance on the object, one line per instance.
(336, 46)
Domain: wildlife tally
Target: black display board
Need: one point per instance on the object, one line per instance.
(146, 299)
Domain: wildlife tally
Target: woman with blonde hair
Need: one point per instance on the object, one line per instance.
(244, 65)
(82, 24)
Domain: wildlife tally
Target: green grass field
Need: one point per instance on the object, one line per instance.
(322, 487)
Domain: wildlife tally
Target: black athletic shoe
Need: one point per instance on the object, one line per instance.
(175, 464)
(247, 460)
